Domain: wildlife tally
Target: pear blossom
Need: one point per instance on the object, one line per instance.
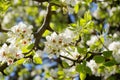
(94, 67)
(73, 55)
(57, 42)
(38, 53)
(71, 2)
(92, 40)
(116, 34)
(9, 53)
(115, 47)
(69, 71)
(107, 72)
(10, 61)
(20, 34)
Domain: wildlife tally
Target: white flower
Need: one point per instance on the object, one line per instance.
(92, 40)
(114, 46)
(115, 35)
(71, 2)
(20, 34)
(22, 28)
(10, 61)
(57, 42)
(108, 71)
(70, 71)
(9, 53)
(38, 53)
(73, 55)
(3, 53)
(37, 77)
(68, 34)
(117, 56)
(94, 67)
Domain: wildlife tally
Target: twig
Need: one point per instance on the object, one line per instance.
(102, 43)
(68, 58)
(2, 67)
(77, 41)
(41, 0)
(44, 26)
(2, 30)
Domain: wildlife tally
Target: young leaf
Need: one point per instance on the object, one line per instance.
(80, 68)
(81, 50)
(82, 22)
(87, 16)
(82, 76)
(30, 46)
(99, 59)
(110, 63)
(37, 60)
(65, 64)
(107, 54)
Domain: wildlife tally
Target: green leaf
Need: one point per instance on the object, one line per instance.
(88, 70)
(82, 76)
(112, 78)
(65, 64)
(60, 72)
(24, 49)
(81, 50)
(101, 69)
(107, 54)
(21, 61)
(47, 32)
(87, 16)
(80, 68)
(37, 60)
(76, 8)
(4, 5)
(82, 22)
(110, 63)
(99, 59)
(30, 46)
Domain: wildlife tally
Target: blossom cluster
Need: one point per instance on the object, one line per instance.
(115, 47)
(18, 37)
(71, 2)
(58, 42)
(105, 73)
(92, 40)
(9, 53)
(20, 34)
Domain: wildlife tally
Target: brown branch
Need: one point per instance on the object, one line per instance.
(41, 0)
(102, 43)
(44, 26)
(50, 29)
(81, 60)
(2, 67)
(95, 53)
(77, 41)
(68, 58)
(2, 30)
